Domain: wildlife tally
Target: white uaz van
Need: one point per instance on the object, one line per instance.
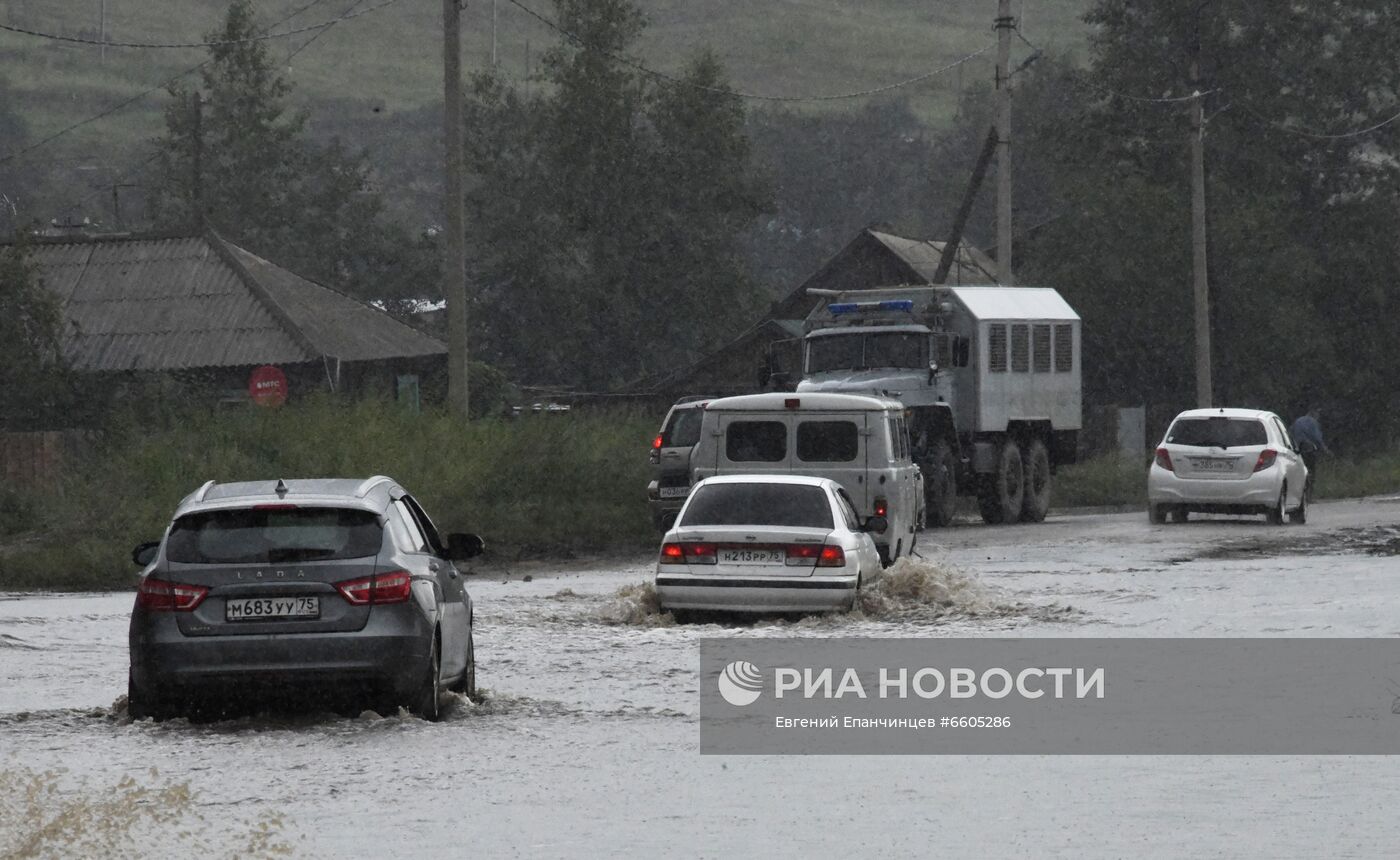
(858, 441)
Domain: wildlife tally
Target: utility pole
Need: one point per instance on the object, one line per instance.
(1201, 286)
(1004, 25)
(454, 281)
(197, 161)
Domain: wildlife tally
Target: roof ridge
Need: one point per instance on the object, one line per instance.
(279, 313)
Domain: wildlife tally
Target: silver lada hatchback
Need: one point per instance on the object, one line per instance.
(338, 590)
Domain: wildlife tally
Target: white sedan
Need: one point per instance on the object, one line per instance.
(766, 543)
(1236, 461)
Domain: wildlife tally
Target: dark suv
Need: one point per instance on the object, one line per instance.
(670, 460)
(334, 588)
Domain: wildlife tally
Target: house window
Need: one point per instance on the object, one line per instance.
(1064, 348)
(1040, 349)
(996, 348)
(1021, 348)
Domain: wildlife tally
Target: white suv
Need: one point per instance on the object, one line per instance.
(1239, 461)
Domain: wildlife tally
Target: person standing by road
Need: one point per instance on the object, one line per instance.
(1307, 435)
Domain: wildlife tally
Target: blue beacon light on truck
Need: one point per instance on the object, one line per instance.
(838, 308)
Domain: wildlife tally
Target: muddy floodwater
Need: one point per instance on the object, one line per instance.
(585, 741)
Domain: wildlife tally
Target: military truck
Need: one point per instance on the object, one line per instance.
(989, 377)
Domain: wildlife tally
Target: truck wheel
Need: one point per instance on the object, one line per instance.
(1001, 492)
(1036, 503)
(940, 490)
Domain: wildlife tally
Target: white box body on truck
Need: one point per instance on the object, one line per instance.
(858, 441)
(989, 376)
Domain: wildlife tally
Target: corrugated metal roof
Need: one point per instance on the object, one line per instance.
(969, 264)
(1015, 303)
(334, 323)
(175, 303)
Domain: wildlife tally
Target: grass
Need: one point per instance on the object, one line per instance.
(553, 485)
(1102, 481)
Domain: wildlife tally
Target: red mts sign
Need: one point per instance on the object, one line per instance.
(267, 386)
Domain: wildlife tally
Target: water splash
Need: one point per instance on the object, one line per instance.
(636, 605)
(43, 815)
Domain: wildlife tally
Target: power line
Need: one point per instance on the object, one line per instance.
(1319, 136)
(139, 96)
(152, 45)
(304, 45)
(672, 79)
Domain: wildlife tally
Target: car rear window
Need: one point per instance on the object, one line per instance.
(1218, 432)
(755, 442)
(273, 535)
(758, 505)
(683, 428)
(827, 441)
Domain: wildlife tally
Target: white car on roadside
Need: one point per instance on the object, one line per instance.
(1228, 461)
(766, 543)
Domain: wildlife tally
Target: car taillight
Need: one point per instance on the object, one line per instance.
(695, 553)
(656, 443)
(158, 595)
(1266, 459)
(1164, 459)
(392, 587)
(882, 508)
(821, 556)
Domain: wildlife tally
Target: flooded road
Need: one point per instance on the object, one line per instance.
(585, 742)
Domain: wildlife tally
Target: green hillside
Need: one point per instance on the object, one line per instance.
(366, 70)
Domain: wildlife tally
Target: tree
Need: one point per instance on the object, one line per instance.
(605, 211)
(35, 382)
(264, 184)
(1301, 215)
(833, 175)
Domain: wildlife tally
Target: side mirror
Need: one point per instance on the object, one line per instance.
(145, 553)
(461, 547)
(876, 525)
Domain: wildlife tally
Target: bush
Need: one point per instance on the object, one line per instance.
(1106, 480)
(555, 484)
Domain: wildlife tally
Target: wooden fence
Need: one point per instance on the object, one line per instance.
(35, 459)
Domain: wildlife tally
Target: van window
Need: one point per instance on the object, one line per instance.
(683, 429)
(827, 441)
(1020, 348)
(756, 442)
(1040, 361)
(899, 438)
(1064, 348)
(996, 348)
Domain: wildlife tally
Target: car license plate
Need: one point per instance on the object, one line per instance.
(259, 608)
(1215, 465)
(752, 556)
(674, 492)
